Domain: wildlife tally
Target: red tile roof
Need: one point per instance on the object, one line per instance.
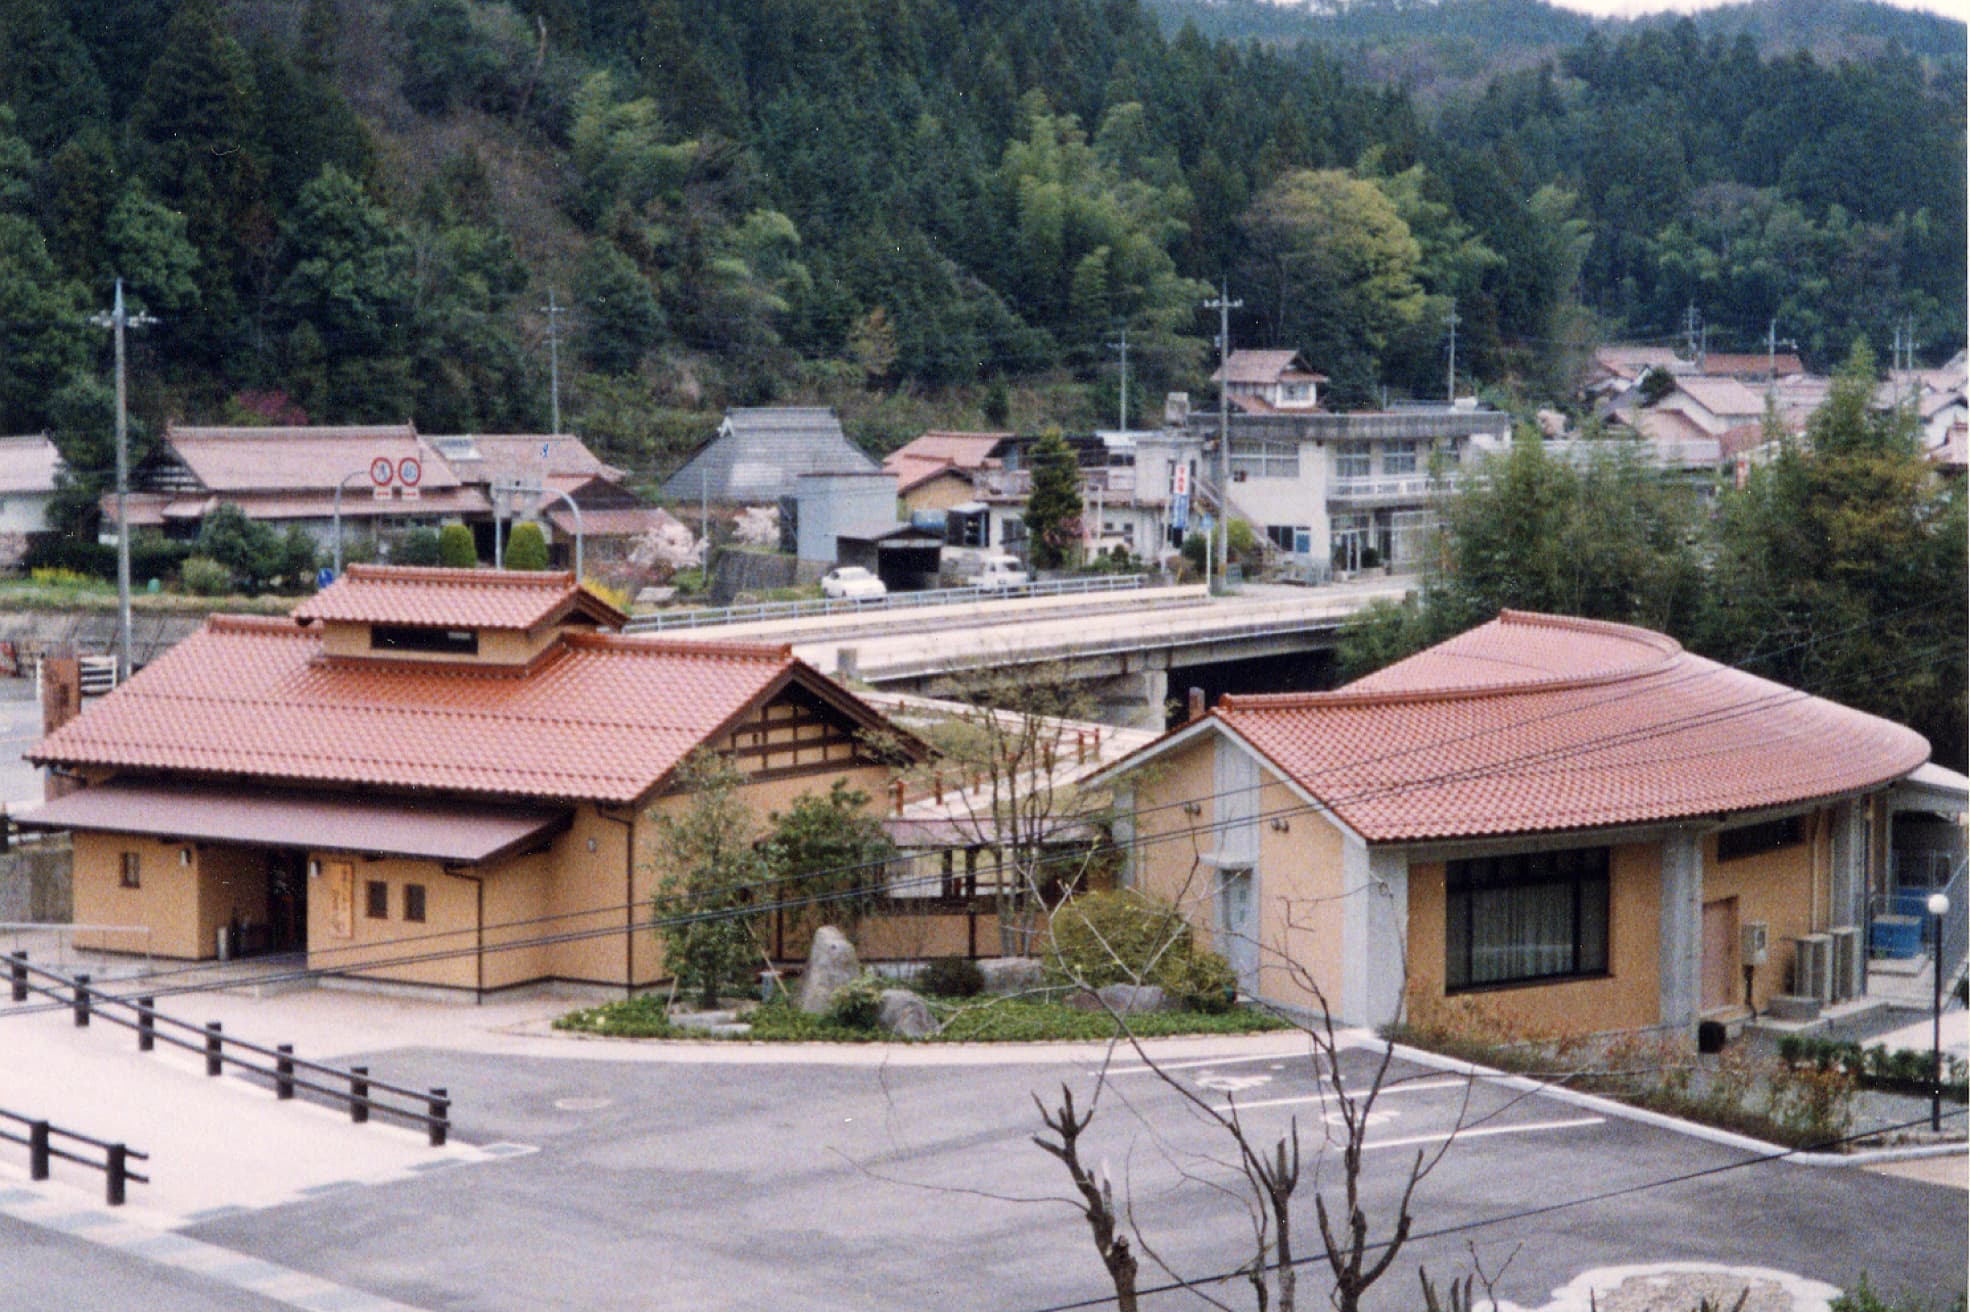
(1536, 722)
(453, 598)
(603, 717)
(1754, 365)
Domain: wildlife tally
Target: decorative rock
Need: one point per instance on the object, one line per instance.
(1011, 974)
(906, 1015)
(1082, 1000)
(1132, 999)
(831, 963)
(702, 1020)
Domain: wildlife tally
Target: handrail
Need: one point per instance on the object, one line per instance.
(41, 1133)
(785, 610)
(212, 1043)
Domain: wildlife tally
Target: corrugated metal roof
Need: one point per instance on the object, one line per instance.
(760, 454)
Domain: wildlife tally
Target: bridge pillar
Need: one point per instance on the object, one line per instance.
(1136, 700)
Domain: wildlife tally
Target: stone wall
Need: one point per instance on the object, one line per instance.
(736, 571)
(35, 881)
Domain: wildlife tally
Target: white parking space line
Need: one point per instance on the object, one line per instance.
(1533, 1127)
(1282, 1058)
(1389, 1091)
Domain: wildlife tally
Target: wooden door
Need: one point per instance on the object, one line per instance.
(339, 888)
(1720, 987)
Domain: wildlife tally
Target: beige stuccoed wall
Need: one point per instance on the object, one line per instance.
(167, 900)
(496, 646)
(1300, 903)
(940, 493)
(1627, 997)
(1778, 888)
(1163, 861)
(449, 930)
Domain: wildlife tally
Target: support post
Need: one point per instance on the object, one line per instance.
(116, 1170)
(358, 1094)
(284, 1072)
(37, 1150)
(214, 1057)
(440, 1117)
(146, 1024)
(17, 975)
(82, 1002)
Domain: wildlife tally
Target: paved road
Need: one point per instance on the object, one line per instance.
(870, 1186)
(20, 729)
(47, 1271)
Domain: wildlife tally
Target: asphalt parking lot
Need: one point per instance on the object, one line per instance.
(871, 1185)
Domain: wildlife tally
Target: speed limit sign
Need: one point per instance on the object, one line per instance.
(409, 470)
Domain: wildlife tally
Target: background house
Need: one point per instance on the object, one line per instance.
(30, 475)
(613, 515)
(936, 471)
(757, 455)
(1266, 382)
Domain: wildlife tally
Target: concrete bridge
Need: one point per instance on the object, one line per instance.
(1123, 645)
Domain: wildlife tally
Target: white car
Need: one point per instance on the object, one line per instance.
(853, 583)
(1000, 572)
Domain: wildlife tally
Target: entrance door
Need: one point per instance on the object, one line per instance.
(287, 900)
(1238, 931)
(1719, 953)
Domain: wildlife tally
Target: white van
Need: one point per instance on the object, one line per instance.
(999, 573)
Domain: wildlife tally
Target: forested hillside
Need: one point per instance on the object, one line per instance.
(918, 210)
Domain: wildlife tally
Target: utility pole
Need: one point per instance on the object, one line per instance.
(1224, 305)
(1452, 320)
(116, 319)
(554, 310)
(1123, 347)
(1691, 320)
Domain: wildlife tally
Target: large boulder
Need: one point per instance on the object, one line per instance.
(906, 1015)
(1011, 974)
(1132, 999)
(831, 963)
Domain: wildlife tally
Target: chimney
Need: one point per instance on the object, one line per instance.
(61, 701)
(1194, 707)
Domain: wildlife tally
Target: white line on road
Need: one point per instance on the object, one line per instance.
(1280, 1057)
(1530, 1128)
(1387, 1090)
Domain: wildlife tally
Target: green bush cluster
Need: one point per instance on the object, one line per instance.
(456, 547)
(857, 1005)
(526, 548)
(419, 547)
(1874, 1065)
(952, 977)
(205, 577)
(1126, 937)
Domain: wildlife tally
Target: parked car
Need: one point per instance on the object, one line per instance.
(852, 582)
(1001, 572)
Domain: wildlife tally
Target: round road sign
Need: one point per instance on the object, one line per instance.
(410, 469)
(381, 470)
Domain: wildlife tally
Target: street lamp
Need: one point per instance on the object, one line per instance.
(1938, 908)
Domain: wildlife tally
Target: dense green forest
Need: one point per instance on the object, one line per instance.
(918, 210)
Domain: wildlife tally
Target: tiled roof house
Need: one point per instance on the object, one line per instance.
(612, 515)
(451, 754)
(1573, 821)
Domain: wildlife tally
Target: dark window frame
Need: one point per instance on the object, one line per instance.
(1586, 873)
(418, 638)
(376, 899)
(415, 904)
(130, 873)
(1756, 840)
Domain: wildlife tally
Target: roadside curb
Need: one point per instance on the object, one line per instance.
(1707, 1133)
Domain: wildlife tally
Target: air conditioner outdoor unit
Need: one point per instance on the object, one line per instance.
(1812, 967)
(1846, 962)
(1755, 945)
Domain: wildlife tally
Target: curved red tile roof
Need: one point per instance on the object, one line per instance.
(1538, 722)
(453, 598)
(603, 717)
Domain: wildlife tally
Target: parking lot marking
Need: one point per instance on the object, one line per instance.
(1484, 1132)
(1388, 1091)
(1197, 1064)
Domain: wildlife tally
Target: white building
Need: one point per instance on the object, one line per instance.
(29, 476)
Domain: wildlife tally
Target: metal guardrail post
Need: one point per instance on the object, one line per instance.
(214, 1060)
(440, 1117)
(146, 1024)
(37, 1150)
(17, 974)
(358, 1094)
(115, 1169)
(82, 1002)
(284, 1071)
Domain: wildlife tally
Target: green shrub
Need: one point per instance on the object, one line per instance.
(952, 977)
(419, 547)
(857, 1005)
(527, 548)
(1201, 980)
(205, 577)
(1121, 937)
(456, 548)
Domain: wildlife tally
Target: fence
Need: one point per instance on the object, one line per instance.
(41, 1152)
(794, 610)
(430, 1108)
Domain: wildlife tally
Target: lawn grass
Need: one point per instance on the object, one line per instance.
(972, 1020)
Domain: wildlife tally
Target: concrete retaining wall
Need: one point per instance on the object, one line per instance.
(35, 882)
(35, 632)
(734, 572)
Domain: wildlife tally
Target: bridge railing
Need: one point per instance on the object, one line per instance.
(665, 621)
